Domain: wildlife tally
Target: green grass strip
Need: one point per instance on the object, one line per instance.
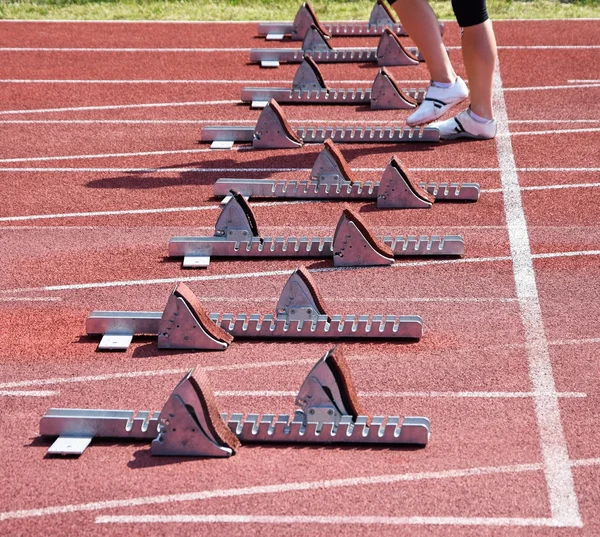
(224, 10)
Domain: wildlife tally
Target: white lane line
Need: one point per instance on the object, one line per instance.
(344, 520)
(242, 49)
(554, 131)
(269, 489)
(583, 341)
(12, 393)
(142, 211)
(552, 255)
(179, 81)
(116, 107)
(585, 462)
(246, 275)
(398, 395)
(541, 88)
(117, 155)
(584, 81)
(562, 497)
(525, 121)
(120, 49)
(237, 121)
(30, 299)
(236, 276)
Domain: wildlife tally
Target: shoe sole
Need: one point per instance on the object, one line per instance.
(439, 113)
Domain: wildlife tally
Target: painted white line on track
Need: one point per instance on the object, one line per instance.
(581, 463)
(564, 505)
(344, 520)
(555, 131)
(269, 489)
(243, 49)
(168, 170)
(122, 49)
(394, 395)
(246, 275)
(30, 299)
(143, 211)
(180, 81)
(14, 393)
(115, 107)
(583, 341)
(238, 276)
(117, 155)
(584, 81)
(553, 255)
(543, 187)
(543, 88)
(525, 121)
(235, 121)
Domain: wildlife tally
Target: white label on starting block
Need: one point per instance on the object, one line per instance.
(221, 144)
(269, 63)
(196, 261)
(274, 37)
(70, 445)
(259, 104)
(115, 342)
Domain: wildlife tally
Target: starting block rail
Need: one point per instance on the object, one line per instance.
(308, 87)
(332, 179)
(381, 17)
(272, 131)
(300, 313)
(390, 51)
(190, 424)
(236, 235)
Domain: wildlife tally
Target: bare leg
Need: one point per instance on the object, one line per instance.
(480, 55)
(422, 26)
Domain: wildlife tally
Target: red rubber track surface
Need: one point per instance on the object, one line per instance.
(92, 193)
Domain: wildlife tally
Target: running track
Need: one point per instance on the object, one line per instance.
(100, 165)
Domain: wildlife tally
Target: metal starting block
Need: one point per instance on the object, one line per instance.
(308, 87)
(389, 51)
(300, 313)
(272, 131)
(190, 424)
(353, 244)
(381, 17)
(332, 179)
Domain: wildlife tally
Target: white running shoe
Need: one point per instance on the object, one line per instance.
(465, 126)
(437, 102)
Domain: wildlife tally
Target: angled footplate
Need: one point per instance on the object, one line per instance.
(329, 413)
(381, 17)
(389, 51)
(272, 131)
(300, 313)
(331, 178)
(308, 87)
(235, 236)
(188, 425)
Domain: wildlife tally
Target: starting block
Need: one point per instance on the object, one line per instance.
(381, 17)
(300, 314)
(389, 51)
(332, 179)
(272, 131)
(353, 244)
(190, 425)
(308, 87)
